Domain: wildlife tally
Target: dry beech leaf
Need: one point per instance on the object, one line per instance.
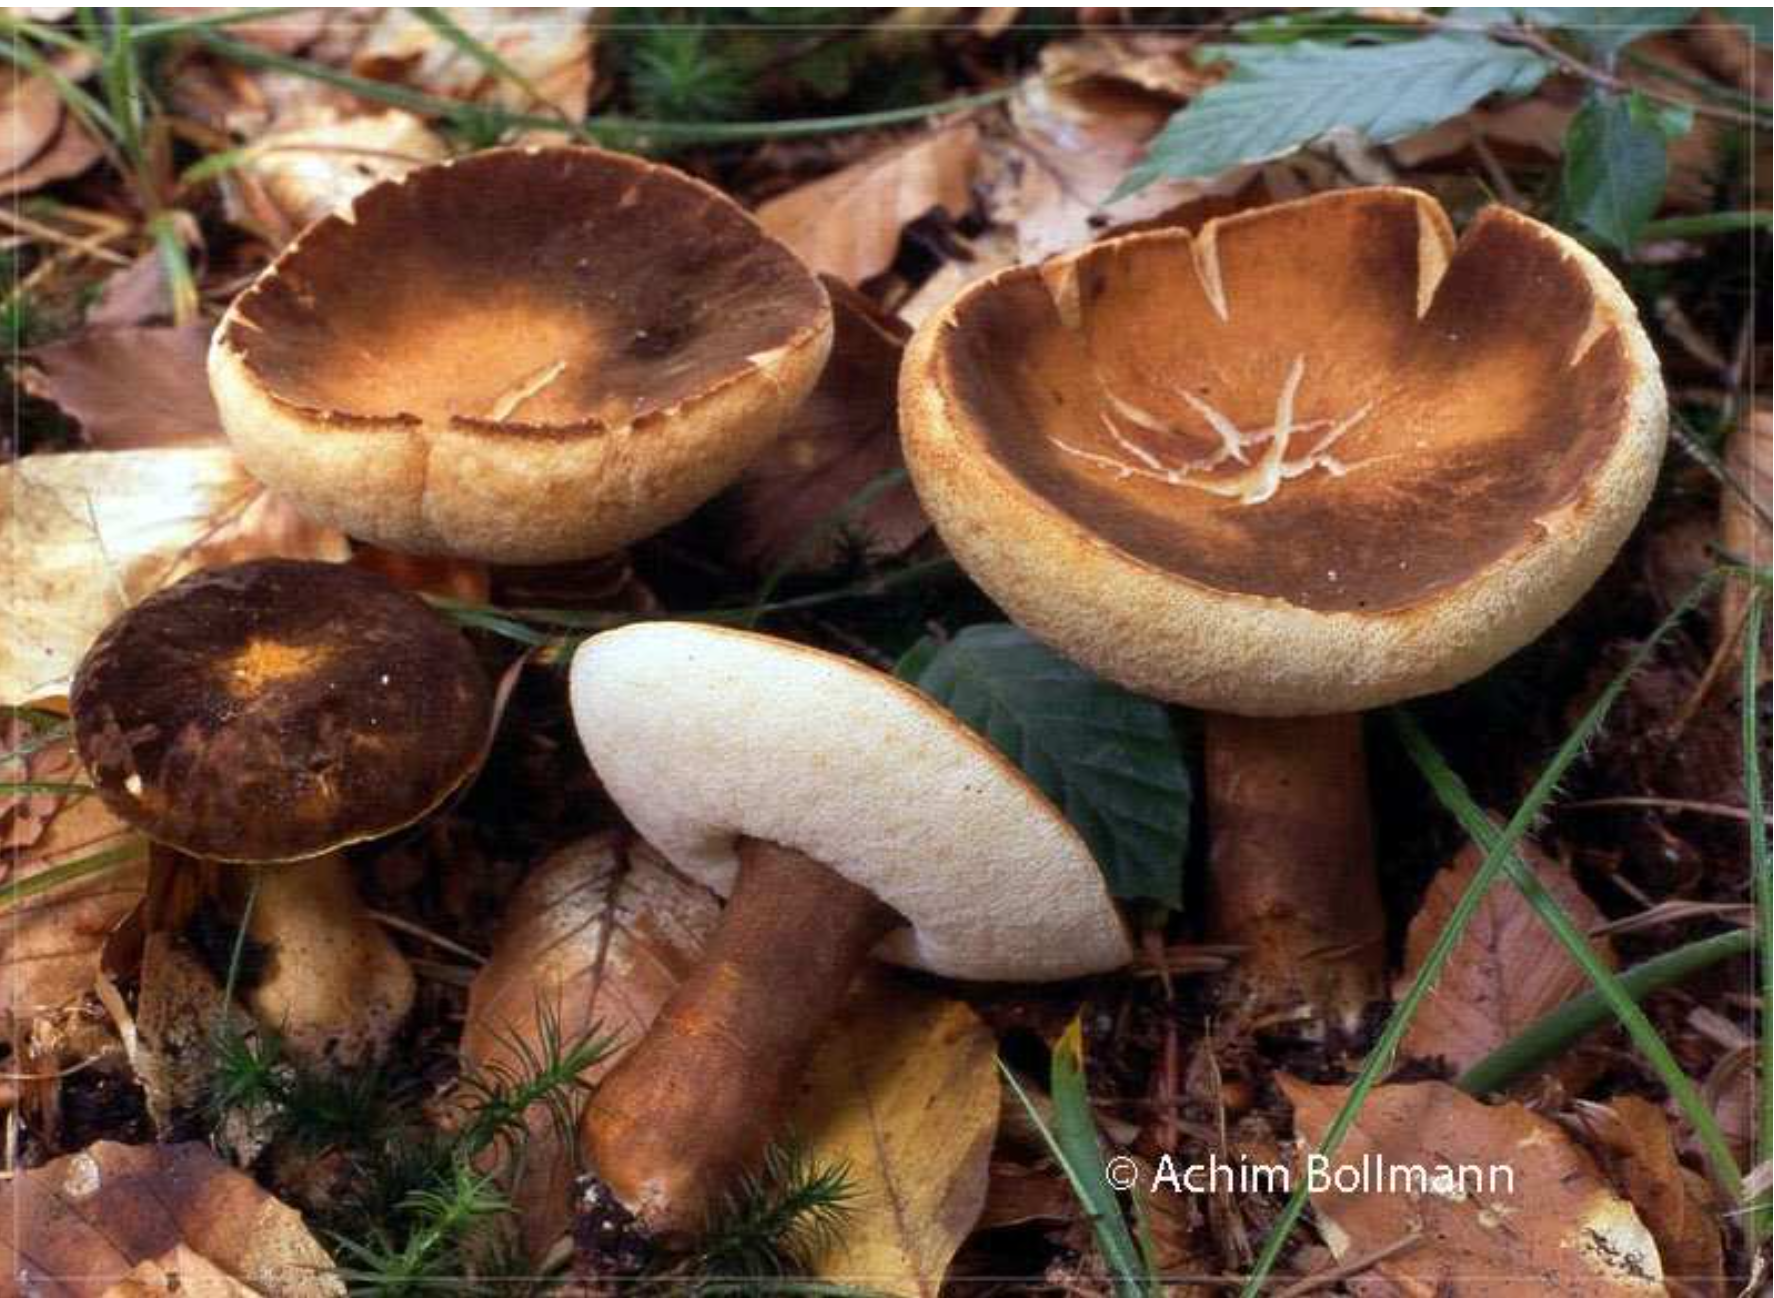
(86, 1222)
(1749, 459)
(1072, 143)
(848, 224)
(600, 932)
(1675, 1203)
(319, 159)
(92, 533)
(131, 388)
(904, 1088)
(1507, 970)
(549, 48)
(30, 116)
(842, 438)
(53, 940)
(180, 1271)
(1559, 1230)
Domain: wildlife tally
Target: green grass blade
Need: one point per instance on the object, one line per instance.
(866, 495)
(1380, 1058)
(69, 871)
(1551, 1034)
(1697, 227)
(1073, 1142)
(602, 127)
(491, 60)
(1761, 1217)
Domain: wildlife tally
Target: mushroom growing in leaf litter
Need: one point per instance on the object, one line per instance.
(275, 713)
(526, 356)
(1314, 458)
(842, 813)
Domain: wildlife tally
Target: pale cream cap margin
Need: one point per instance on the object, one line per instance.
(435, 488)
(703, 734)
(1175, 639)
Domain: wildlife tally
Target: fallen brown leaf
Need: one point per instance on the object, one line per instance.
(1507, 969)
(549, 48)
(85, 1222)
(91, 533)
(131, 388)
(1075, 135)
(848, 224)
(180, 1271)
(842, 438)
(1560, 1229)
(599, 934)
(1749, 459)
(30, 116)
(904, 1089)
(53, 940)
(318, 160)
(1675, 1203)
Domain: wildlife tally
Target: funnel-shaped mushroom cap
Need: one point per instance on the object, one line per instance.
(276, 710)
(705, 735)
(527, 356)
(1314, 458)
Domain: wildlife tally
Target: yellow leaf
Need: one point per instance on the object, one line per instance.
(905, 1091)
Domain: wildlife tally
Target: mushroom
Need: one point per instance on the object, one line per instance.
(841, 812)
(275, 713)
(525, 356)
(1315, 458)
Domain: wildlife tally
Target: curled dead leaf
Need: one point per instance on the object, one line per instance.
(843, 437)
(86, 1222)
(1675, 1202)
(1550, 1223)
(904, 1089)
(131, 388)
(318, 160)
(848, 224)
(92, 533)
(54, 939)
(549, 49)
(42, 141)
(1507, 969)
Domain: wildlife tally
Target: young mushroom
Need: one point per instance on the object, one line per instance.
(1315, 458)
(841, 812)
(526, 356)
(275, 713)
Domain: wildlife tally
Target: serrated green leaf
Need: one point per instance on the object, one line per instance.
(1616, 163)
(1604, 32)
(1279, 97)
(1108, 758)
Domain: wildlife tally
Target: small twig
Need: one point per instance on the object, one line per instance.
(1662, 804)
(424, 934)
(1354, 1266)
(1570, 63)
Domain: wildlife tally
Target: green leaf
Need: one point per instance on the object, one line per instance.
(1616, 163)
(1280, 97)
(1073, 1141)
(1109, 759)
(1603, 33)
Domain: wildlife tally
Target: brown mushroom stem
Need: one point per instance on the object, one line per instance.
(699, 1098)
(1293, 865)
(335, 986)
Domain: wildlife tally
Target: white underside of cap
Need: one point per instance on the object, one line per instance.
(704, 735)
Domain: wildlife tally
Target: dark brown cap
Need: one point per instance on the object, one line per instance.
(524, 356)
(276, 710)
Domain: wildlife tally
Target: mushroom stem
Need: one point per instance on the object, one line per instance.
(699, 1098)
(1293, 865)
(336, 988)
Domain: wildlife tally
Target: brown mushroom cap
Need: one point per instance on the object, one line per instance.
(1313, 458)
(276, 710)
(526, 356)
